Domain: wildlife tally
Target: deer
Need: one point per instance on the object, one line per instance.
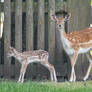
(27, 57)
(74, 43)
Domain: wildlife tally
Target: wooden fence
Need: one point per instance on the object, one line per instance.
(27, 26)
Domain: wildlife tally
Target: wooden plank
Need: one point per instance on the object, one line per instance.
(61, 70)
(68, 24)
(2, 57)
(0, 52)
(13, 72)
(7, 38)
(1, 7)
(1, 71)
(29, 32)
(18, 33)
(46, 32)
(91, 11)
(51, 32)
(13, 44)
(75, 9)
(41, 29)
(29, 24)
(58, 8)
(84, 17)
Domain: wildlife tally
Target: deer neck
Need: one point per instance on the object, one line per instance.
(17, 55)
(65, 42)
(63, 36)
(62, 33)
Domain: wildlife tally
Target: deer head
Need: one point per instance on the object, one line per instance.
(60, 21)
(11, 52)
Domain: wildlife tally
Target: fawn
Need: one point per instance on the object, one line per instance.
(27, 57)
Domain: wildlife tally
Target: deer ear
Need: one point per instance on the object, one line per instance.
(68, 16)
(53, 17)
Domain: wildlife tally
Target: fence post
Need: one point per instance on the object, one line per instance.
(29, 32)
(29, 24)
(41, 31)
(41, 28)
(51, 31)
(18, 32)
(7, 38)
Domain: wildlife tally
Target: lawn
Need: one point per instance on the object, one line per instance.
(46, 87)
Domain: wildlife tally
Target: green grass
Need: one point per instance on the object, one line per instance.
(46, 87)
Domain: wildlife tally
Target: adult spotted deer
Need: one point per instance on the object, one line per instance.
(74, 43)
(27, 57)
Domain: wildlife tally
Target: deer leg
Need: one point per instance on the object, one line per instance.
(71, 76)
(51, 75)
(51, 70)
(21, 73)
(19, 78)
(54, 73)
(55, 79)
(89, 67)
(24, 70)
(88, 71)
(73, 62)
(74, 76)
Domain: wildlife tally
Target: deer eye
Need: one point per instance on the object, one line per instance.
(60, 26)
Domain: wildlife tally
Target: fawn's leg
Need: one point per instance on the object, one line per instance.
(51, 70)
(73, 62)
(24, 70)
(53, 73)
(55, 78)
(21, 73)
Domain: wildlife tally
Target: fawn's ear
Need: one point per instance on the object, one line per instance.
(67, 17)
(53, 17)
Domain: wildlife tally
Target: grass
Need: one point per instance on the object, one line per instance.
(46, 87)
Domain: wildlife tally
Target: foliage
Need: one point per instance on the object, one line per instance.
(46, 87)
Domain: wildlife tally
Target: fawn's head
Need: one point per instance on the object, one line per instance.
(60, 21)
(11, 52)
